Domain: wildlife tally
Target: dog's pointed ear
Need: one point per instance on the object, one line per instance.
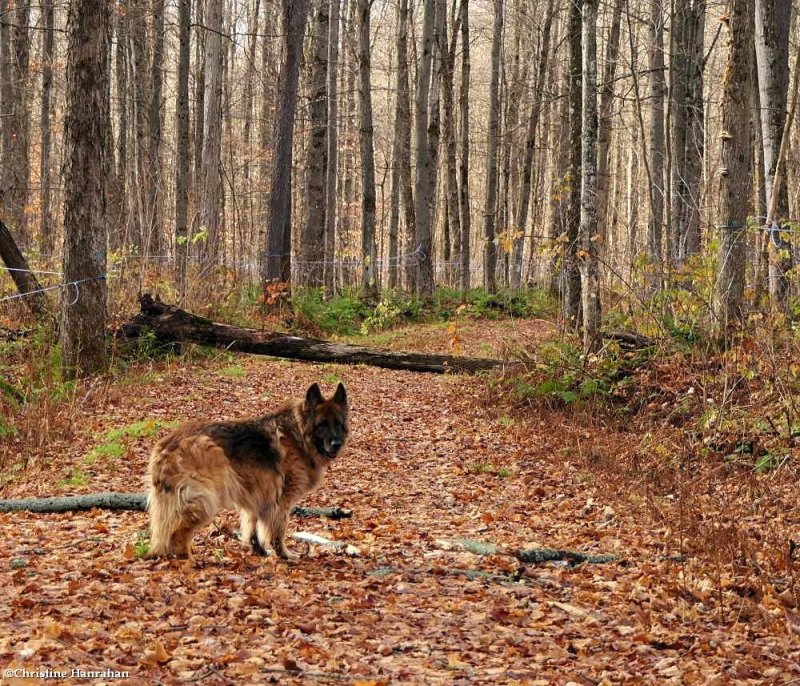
(313, 396)
(340, 397)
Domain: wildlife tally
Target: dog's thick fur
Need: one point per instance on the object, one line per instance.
(261, 466)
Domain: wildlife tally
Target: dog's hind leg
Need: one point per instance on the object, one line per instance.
(197, 513)
(275, 520)
(248, 533)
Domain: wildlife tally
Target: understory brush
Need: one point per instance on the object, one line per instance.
(701, 437)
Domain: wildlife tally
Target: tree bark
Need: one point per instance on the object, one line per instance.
(25, 280)
(572, 275)
(170, 324)
(686, 126)
(312, 241)
(530, 147)
(332, 142)
(492, 145)
(772, 23)
(182, 161)
(735, 170)
(655, 221)
(452, 237)
(369, 247)
(604, 119)
(46, 228)
(83, 320)
(15, 172)
(278, 261)
(590, 275)
(154, 177)
(211, 190)
(425, 179)
(463, 194)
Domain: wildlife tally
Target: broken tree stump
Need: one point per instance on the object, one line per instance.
(173, 325)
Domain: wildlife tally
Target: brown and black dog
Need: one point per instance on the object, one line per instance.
(261, 466)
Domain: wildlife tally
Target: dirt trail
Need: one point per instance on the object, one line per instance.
(429, 459)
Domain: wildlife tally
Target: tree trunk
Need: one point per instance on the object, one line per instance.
(154, 177)
(463, 195)
(25, 280)
(46, 228)
(332, 142)
(83, 321)
(137, 24)
(250, 238)
(182, 162)
(425, 179)
(312, 240)
(401, 100)
(735, 170)
(403, 136)
(452, 233)
(170, 324)
(278, 264)
(492, 144)
(686, 126)
(369, 248)
(211, 191)
(655, 222)
(15, 172)
(772, 23)
(590, 275)
(200, 92)
(604, 119)
(530, 146)
(572, 275)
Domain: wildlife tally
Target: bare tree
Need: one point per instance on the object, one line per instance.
(572, 276)
(686, 126)
(312, 239)
(211, 191)
(401, 145)
(530, 145)
(83, 322)
(463, 195)
(332, 142)
(182, 162)
(154, 180)
(735, 172)
(277, 263)
(369, 248)
(426, 173)
(492, 145)
(772, 22)
(46, 228)
(658, 89)
(590, 276)
(14, 176)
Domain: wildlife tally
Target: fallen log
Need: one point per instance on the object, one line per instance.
(129, 501)
(526, 555)
(25, 281)
(173, 325)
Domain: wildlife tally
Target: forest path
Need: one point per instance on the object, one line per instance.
(430, 458)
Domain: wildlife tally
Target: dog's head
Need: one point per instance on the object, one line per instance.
(326, 421)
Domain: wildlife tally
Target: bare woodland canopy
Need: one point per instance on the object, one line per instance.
(580, 146)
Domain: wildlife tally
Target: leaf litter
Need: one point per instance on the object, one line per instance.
(430, 459)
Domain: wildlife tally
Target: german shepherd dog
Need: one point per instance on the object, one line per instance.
(260, 466)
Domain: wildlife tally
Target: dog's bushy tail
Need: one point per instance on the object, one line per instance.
(165, 518)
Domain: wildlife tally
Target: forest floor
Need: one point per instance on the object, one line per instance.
(430, 458)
